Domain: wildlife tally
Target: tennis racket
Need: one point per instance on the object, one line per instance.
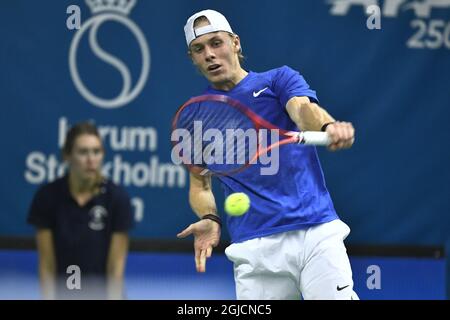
(218, 135)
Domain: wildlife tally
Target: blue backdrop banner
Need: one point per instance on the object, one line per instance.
(383, 65)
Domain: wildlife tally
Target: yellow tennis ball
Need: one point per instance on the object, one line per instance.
(236, 204)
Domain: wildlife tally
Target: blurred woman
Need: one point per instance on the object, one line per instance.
(82, 222)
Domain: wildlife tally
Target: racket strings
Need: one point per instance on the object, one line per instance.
(223, 139)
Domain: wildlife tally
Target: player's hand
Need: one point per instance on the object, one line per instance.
(206, 237)
(342, 135)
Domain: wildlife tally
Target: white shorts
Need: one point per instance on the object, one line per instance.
(310, 263)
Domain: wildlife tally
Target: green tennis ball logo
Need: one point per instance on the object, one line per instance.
(236, 204)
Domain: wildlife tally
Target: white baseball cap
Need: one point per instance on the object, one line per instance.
(217, 23)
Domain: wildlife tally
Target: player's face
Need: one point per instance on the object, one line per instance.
(86, 157)
(216, 56)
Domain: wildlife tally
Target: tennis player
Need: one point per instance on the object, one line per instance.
(290, 244)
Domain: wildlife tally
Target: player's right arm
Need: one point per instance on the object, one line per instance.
(309, 116)
(47, 263)
(206, 232)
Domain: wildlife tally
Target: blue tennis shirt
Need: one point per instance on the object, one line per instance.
(295, 197)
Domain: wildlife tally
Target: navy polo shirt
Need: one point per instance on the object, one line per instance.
(81, 234)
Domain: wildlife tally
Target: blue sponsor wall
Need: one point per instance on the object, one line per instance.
(129, 72)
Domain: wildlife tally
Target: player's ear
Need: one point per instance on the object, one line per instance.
(237, 43)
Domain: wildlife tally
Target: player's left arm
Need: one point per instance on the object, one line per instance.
(206, 232)
(309, 116)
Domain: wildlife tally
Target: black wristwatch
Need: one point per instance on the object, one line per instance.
(213, 217)
(324, 127)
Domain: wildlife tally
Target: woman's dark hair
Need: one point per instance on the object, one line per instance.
(77, 130)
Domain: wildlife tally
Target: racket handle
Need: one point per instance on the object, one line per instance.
(317, 138)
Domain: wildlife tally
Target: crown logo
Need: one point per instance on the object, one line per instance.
(120, 6)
